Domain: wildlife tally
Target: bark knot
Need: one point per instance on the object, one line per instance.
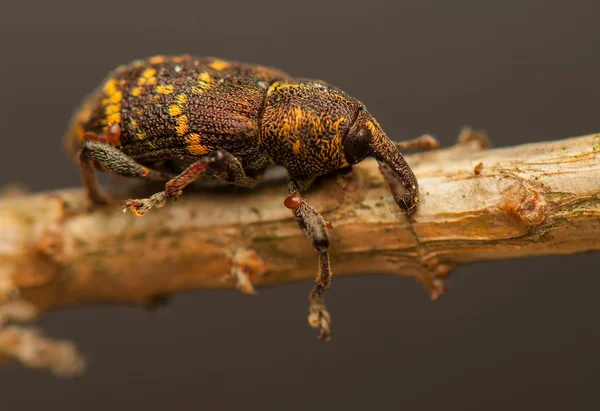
(524, 202)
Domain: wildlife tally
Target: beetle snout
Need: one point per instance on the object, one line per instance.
(396, 171)
(402, 183)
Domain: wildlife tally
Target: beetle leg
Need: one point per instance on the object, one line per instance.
(315, 227)
(114, 161)
(424, 142)
(222, 164)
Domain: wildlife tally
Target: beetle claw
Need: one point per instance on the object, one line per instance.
(318, 317)
(142, 206)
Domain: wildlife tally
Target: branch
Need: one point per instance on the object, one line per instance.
(476, 205)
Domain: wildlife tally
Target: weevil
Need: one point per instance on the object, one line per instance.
(181, 118)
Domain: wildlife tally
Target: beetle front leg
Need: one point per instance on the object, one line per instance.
(224, 166)
(315, 227)
(424, 142)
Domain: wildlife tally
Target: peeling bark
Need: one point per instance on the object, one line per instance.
(476, 205)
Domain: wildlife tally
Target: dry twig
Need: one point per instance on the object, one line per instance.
(476, 205)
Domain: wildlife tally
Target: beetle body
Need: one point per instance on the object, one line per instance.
(180, 118)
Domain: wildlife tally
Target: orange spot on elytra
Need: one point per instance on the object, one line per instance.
(219, 65)
(164, 89)
(175, 110)
(157, 59)
(183, 125)
(148, 73)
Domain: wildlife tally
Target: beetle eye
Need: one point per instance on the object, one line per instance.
(364, 135)
(356, 146)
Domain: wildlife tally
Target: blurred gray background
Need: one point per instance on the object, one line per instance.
(518, 335)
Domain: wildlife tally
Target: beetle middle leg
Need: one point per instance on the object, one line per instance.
(223, 165)
(315, 227)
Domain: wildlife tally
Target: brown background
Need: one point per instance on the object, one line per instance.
(517, 335)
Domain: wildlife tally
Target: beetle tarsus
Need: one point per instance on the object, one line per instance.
(318, 316)
(141, 206)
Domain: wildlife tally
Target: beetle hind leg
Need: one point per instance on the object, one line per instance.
(94, 193)
(101, 154)
(315, 227)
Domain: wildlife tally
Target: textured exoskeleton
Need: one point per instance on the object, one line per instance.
(179, 118)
